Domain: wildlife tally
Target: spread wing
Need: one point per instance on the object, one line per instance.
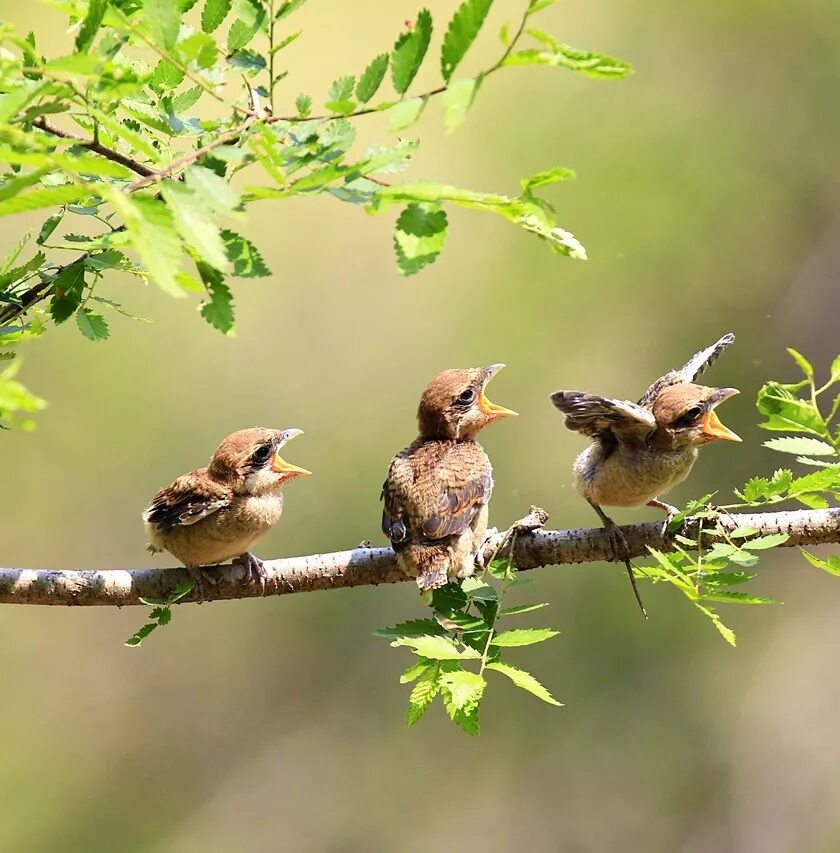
(604, 419)
(186, 501)
(690, 370)
(435, 491)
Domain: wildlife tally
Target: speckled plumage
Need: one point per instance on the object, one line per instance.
(437, 489)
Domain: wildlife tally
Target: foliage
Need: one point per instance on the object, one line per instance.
(707, 569)
(160, 614)
(131, 142)
(461, 640)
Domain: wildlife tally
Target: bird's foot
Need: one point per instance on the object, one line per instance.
(254, 569)
(621, 553)
(671, 512)
(537, 517)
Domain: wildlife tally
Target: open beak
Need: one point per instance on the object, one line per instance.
(280, 466)
(711, 423)
(484, 405)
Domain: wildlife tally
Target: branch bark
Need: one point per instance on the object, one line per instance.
(365, 566)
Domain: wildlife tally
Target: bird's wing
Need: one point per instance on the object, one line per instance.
(604, 419)
(185, 501)
(690, 370)
(436, 490)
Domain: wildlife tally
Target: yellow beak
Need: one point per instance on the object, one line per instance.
(280, 466)
(713, 428)
(484, 405)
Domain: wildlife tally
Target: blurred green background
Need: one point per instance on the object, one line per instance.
(707, 198)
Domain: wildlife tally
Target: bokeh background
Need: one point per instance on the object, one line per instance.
(708, 200)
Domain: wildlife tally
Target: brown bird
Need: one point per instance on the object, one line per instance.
(217, 513)
(641, 450)
(438, 488)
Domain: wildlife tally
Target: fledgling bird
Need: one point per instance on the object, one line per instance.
(641, 450)
(217, 513)
(438, 488)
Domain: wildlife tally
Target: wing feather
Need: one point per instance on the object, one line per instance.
(603, 418)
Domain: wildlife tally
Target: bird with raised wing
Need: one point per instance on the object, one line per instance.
(438, 488)
(641, 450)
(217, 513)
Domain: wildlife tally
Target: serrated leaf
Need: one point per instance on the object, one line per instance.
(411, 628)
(419, 237)
(218, 312)
(586, 62)
(522, 608)
(460, 622)
(804, 364)
(465, 688)
(835, 369)
(194, 222)
(68, 287)
(92, 324)
(461, 33)
(801, 445)
(786, 412)
(730, 597)
(416, 670)
(522, 637)
(422, 695)
(50, 224)
(543, 179)
(45, 197)
(525, 680)
(137, 638)
(463, 718)
(409, 51)
(405, 113)
(449, 598)
(90, 25)
(303, 104)
(478, 590)
(243, 254)
(249, 18)
(771, 540)
(436, 648)
(163, 20)
(372, 78)
(457, 100)
(831, 564)
(727, 633)
(214, 12)
(215, 192)
(726, 578)
(183, 101)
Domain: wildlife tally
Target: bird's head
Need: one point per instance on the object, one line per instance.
(454, 405)
(249, 461)
(686, 418)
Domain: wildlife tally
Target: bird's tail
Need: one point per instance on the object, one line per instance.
(437, 563)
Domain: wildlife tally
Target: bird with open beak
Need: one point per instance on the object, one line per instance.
(438, 488)
(641, 450)
(217, 513)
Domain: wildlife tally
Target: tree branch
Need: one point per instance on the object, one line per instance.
(371, 566)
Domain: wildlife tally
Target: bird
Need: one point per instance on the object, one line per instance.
(438, 488)
(217, 513)
(639, 451)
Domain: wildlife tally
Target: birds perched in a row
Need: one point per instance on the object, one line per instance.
(217, 513)
(641, 450)
(437, 490)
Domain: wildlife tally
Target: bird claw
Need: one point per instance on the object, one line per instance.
(254, 568)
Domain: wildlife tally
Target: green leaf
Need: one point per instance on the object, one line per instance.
(835, 369)
(249, 18)
(137, 638)
(535, 6)
(92, 324)
(804, 364)
(194, 222)
(800, 444)
(411, 628)
(68, 287)
(478, 590)
(457, 100)
(525, 680)
(786, 412)
(409, 51)
(449, 598)
(90, 25)
(247, 261)
(460, 622)
(461, 33)
(465, 688)
(215, 192)
(163, 20)
(465, 719)
(45, 197)
(303, 104)
(419, 237)
(21, 94)
(586, 62)
(287, 8)
(218, 312)
(166, 75)
(372, 78)
(521, 608)
(543, 179)
(725, 578)
(50, 224)
(422, 695)
(214, 12)
(405, 113)
(772, 540)
(416, 670)
(727, 633)
(730, 597)
(183, 101)
(522, 637)
(150, 225)
(830, 565)
(436, 648)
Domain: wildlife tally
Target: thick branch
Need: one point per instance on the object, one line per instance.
(371, 566)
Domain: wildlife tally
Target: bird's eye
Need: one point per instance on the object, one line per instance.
(689, 417)
(466, 396)
(261, 454)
